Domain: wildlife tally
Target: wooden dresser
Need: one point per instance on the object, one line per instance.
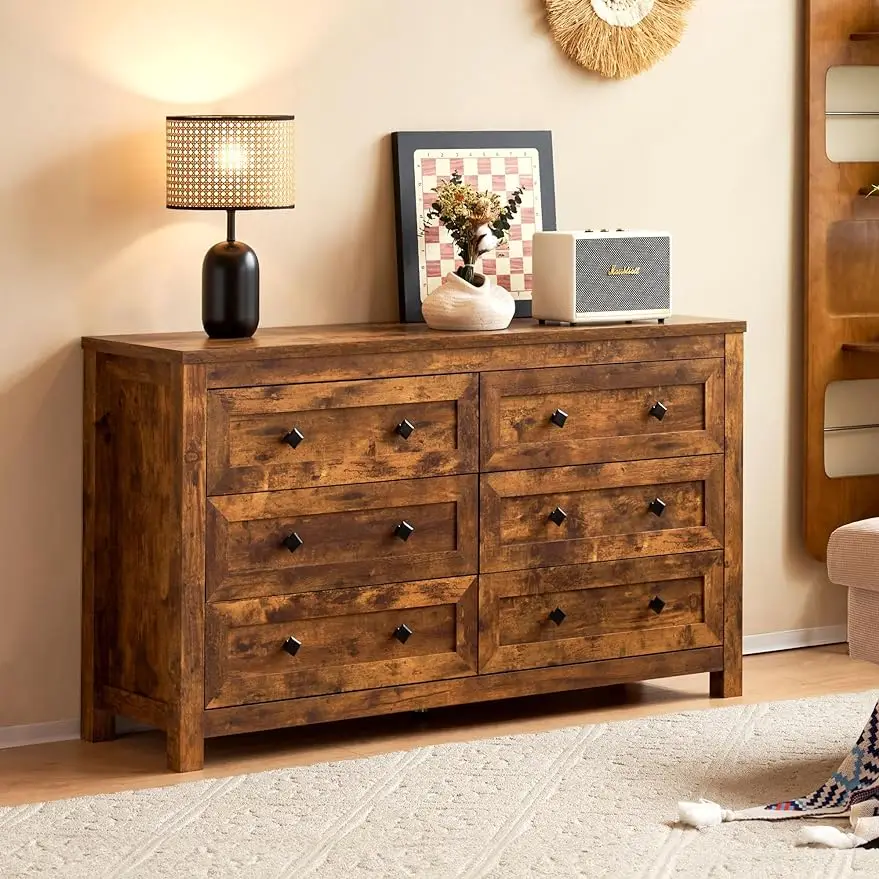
(322, 523)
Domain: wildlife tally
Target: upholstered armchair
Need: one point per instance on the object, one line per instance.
(853, 561)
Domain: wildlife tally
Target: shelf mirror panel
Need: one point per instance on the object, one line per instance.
(851, 428)
(852, 94)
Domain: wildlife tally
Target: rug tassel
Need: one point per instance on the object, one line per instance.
(702, 814)
(828, 837)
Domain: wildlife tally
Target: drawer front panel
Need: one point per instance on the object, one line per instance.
(608, 414)
(573, 515)
(556, 616)
(292, 436)
(343, 639)
(283, 542)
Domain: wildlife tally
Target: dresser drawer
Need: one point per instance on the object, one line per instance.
(340, 640)
(556, 616)
(281, 542)
(571, 515)
(292, 436)
(604, 413)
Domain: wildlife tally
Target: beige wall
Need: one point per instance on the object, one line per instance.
(704, 145)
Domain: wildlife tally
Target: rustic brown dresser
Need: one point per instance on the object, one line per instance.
(323, 523)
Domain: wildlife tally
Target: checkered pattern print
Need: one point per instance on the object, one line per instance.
(501, 171)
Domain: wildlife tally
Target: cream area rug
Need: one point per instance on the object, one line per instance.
(585, 802)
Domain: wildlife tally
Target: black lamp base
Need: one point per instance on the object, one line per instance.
(230, 291)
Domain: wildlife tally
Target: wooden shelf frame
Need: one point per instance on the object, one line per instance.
(841, 323)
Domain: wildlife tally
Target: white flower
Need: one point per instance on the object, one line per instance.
(485, 239)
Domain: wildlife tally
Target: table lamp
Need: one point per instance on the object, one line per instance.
(230, 163)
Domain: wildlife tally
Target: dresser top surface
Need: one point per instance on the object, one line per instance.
(322, 341)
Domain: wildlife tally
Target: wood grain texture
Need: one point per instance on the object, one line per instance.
(139, 545)
(347, 638)
(607, 611)
(144, 548)
(436, 694)
(608, 512)
(464, 359)
(608, 410)
(349, 429)
(347, 533)
(388, 338)
(841, 270)
(146, 710)
(729, 682)
(96, 723)
(186, 600)
(189, 592)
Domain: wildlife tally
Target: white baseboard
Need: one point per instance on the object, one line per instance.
(55, 731)
(38, 733)
(795, 639)
(64, 730)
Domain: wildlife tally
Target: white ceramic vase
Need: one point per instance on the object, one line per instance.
(457, 305)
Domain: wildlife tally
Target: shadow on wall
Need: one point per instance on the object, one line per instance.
(40, 463)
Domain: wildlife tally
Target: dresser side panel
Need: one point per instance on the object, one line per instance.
(96, 723)
(728, 683)
(136, 525)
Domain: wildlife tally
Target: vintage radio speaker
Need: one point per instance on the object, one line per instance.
(595, 277)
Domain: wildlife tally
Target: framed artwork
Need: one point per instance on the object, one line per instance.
(497, 161)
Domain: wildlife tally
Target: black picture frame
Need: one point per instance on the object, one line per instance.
(404, 145)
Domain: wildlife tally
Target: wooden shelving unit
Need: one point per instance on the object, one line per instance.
(842, 267)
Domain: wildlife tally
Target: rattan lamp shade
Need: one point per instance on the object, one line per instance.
(235, 163)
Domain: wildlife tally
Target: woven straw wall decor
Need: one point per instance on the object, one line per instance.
(617, 38)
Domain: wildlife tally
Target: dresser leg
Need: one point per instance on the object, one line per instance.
(185, 750)
(726, 684)
(97, 725)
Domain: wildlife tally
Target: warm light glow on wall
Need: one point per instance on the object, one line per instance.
(193, 52)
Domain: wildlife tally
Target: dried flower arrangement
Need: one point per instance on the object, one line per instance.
(477, 221)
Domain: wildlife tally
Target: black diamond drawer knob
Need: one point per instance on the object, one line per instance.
(291, 646)
(659, 410)
(403, 633)
(657, 506)
(293, 542)
(404, 531)
(657, 605)
(405, 428)
(558, 616)
(559, 418)
(558, 515)
(294, 438)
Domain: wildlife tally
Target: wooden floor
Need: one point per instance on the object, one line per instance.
(68, 769)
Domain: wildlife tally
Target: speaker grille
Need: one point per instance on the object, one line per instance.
(599, 291)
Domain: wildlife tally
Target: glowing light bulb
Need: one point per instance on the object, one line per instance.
(231, 158)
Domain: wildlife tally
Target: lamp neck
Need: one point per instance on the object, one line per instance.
(230, 226)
